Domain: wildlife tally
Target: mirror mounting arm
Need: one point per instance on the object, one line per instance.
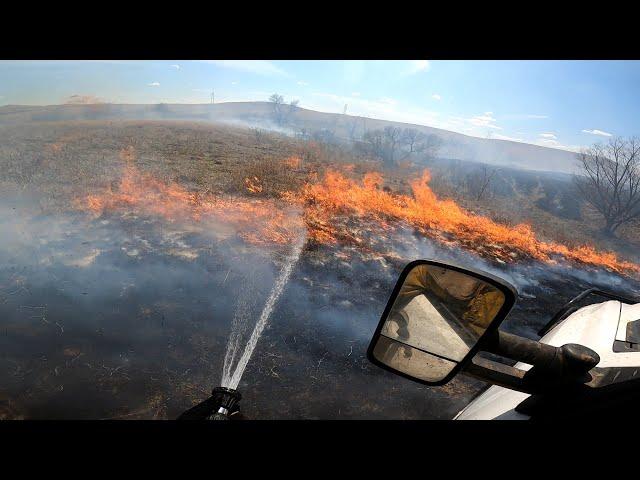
(552, 366)
(522, 349)
(498, 374)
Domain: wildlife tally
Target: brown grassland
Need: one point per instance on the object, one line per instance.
(64, 160)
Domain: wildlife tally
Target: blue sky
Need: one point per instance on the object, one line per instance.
(562, 104)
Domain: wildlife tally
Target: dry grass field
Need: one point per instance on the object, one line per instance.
(64, 160)
(128, 316)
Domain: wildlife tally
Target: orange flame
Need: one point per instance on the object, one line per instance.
(256, 221)
(56, 146)
(326, 202)
(442, 219)
(253, 184)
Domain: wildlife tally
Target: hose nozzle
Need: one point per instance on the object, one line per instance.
(226, 402)
(222, 403)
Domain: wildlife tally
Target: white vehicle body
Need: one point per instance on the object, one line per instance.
(595, 326)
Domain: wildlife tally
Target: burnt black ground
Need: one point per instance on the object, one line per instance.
(128, 317)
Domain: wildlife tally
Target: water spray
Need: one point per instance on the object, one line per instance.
(231, 380)
(224, 400)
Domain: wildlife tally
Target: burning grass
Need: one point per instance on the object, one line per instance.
(193, 171)
(258, 221)
(193, 175)
(325, 205)
(444, 220)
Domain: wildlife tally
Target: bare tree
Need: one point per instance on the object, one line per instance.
(393, 140)
(352, 126)
(374, 143)
(477, 183)
(610, 181)
(413, 140)
(393, 144)
(258, 133)
(276, 99)
(278, 108)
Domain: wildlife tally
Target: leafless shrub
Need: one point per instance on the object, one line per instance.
(393, 145)
(610, 181)
(477, 183)
(258, 134)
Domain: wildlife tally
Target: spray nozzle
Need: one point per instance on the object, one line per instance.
(226, 401)
(222, 403)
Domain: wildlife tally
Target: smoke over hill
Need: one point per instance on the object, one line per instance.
(260, 115)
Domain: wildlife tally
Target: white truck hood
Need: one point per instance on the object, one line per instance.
(595, 326)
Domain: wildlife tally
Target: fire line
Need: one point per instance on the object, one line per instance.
(261, 220)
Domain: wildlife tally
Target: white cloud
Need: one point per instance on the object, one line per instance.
(382, 108)
(154, 84)
(355, 94)
(525, 116)
(234, 83)
(302, 84)
(549, 136)
(551, 143)
(499, 136)
(177, 67)
(485, 120)
(595, 131)
(259, 67)
(437, 97)
(390, 109)
(416, 66)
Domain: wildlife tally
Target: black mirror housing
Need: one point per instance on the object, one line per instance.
(429, 330)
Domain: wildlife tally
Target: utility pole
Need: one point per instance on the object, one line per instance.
(344, 112)
(212, 97)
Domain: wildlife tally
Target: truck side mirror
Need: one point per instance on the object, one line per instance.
(437, 319)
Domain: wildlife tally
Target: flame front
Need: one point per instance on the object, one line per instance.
(256, 221)
(444, 220)
(326, 202)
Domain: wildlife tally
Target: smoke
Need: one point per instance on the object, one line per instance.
(83, 100)
(258, 124)
(122, 301)
(129, 311)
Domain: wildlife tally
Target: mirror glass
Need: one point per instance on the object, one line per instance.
(436, 319)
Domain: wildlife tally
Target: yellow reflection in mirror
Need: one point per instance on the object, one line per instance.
(441, 312)
(411, 361)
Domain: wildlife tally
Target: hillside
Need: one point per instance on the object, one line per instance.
(259, 114)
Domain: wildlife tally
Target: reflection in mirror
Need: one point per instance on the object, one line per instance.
(412, 361)
(435, 321)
